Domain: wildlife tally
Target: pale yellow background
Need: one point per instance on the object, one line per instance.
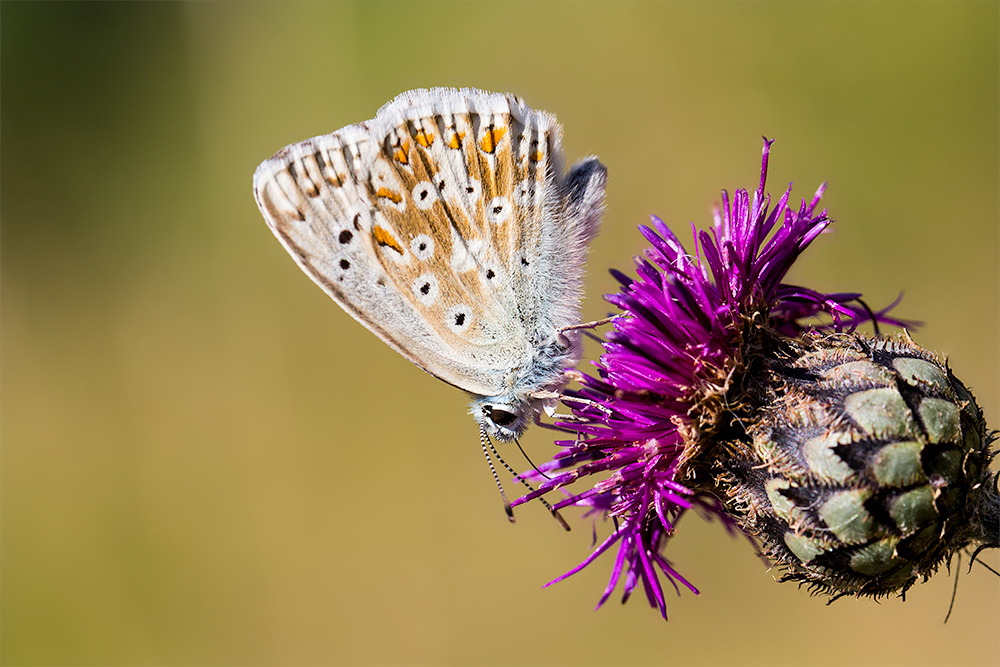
(204, 461)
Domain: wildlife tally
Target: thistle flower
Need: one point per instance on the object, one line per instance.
(859, 465)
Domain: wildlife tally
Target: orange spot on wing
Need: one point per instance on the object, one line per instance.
(492, 137)
(386, 193)
(401, 154)
(456, 140)
(384, 238)
(424, 139)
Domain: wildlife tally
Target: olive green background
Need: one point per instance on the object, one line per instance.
(205, 461)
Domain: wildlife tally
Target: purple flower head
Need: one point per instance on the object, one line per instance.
(667, 367)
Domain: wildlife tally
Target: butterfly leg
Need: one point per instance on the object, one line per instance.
(550, 397)
(585, 327)
(559, 416)
(592, 325)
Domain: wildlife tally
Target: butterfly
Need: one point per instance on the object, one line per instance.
(447, 227)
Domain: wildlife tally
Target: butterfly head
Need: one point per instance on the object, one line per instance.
(535, 387)
(504, 418)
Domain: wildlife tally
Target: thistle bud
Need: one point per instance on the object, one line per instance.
(864, 468)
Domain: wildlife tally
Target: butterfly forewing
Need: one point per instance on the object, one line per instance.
(312, 199)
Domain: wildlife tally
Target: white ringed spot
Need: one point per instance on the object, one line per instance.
(424, 195)
(425, 288)
(498, 210)
(422, 247)
(458, 318)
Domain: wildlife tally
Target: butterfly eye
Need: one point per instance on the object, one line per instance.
(502, 417)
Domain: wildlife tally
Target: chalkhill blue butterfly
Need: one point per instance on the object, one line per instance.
(447, 226)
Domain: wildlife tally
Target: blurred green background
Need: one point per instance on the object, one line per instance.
(204, 461)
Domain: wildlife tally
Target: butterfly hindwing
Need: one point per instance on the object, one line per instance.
(495, 168)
